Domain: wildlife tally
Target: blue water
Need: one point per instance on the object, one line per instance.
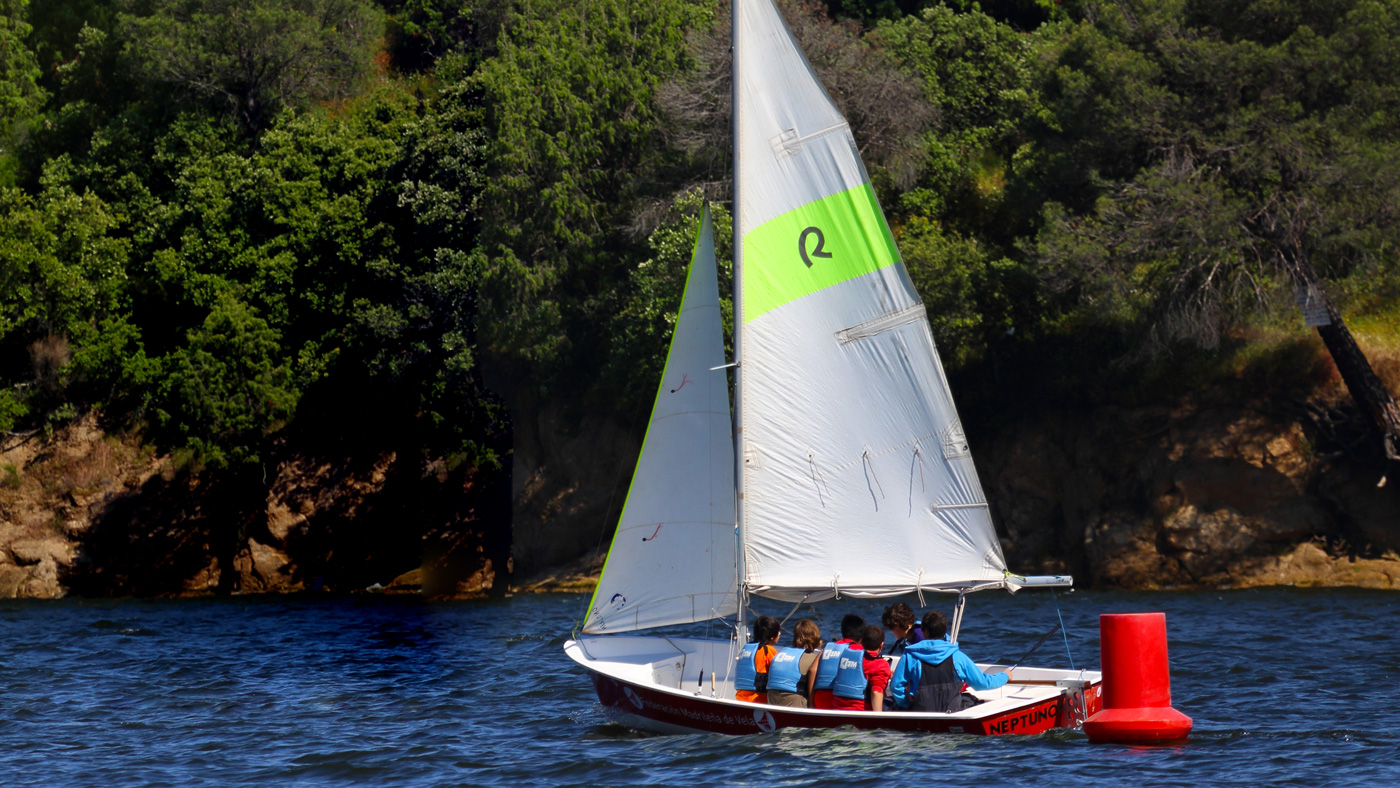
(1287, 687)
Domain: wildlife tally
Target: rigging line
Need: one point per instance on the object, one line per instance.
(794, 608)
(818, 480)
(1062, 628)
(735, 646)
(917, 461)
(870, 466)
(1037, 645)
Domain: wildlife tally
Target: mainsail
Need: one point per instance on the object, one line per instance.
(857, 477)
(672, 557)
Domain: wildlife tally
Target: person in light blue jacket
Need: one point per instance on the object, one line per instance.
(931, 674)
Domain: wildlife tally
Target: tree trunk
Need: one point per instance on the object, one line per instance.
(1365, 386)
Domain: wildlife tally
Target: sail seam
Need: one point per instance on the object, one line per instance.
(859, 460)
(689, 413)
(651, 523)
(870, 454)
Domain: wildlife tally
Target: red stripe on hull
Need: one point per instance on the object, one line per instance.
(704, 714)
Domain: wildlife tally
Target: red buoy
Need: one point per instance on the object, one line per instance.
(1137, 687)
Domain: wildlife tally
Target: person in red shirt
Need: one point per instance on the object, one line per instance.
(877, 674)
(851, 627)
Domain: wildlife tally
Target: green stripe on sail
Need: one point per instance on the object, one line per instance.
(842, 237)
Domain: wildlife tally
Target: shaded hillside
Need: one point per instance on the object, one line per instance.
(314, 274)
(1266, 476)
(96, 515)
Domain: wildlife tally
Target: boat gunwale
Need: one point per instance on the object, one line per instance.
(990, 709)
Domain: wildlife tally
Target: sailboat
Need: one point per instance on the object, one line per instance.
(844, 470)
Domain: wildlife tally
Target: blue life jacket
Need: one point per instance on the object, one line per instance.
(828, 664)
(747, 677)
(786, 670)
(850, 675)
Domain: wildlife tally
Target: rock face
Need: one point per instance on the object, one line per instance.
(571, 473)
(1199, 495)
(83, 512)
(1203, 494)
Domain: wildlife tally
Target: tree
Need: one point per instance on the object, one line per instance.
(255, 57)
(62, 272)
(20, 95)
(642, 327)
(886, 107)
(227, 388)
(421, 32)
(1260, 165)
(978, 77)
(569, 104)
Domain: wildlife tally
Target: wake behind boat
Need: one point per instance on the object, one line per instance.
(844, 472)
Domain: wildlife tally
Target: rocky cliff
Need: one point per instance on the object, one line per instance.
(94, 514)
(1203, 494)
(1237, 487)
(1240, 486)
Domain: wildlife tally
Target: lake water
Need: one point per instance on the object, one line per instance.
(1287, 687)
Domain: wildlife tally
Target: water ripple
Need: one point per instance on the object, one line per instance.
(1287, 687)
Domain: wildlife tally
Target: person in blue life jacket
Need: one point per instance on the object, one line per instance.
(751, 675)
(899, 620)
(864, 675)
(931, 675)
(852, 626)
(794, 669)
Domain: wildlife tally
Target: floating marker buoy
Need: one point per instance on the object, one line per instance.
(1137, 691)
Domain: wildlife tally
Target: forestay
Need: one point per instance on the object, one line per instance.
(672, 557)
(857, 477)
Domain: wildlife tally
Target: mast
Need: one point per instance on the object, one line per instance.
(738, 322)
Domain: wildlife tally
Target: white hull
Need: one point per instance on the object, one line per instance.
(675, 685)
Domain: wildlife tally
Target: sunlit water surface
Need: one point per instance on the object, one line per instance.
(1286, 687)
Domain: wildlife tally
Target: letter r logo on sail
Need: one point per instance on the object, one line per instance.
(818, 251)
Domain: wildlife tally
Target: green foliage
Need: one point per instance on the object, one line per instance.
(59, 264)
(254, 57)
(573, 131)
(641, 329)
(1231, 162)
(1021, 14)
(109, 367)
(20, 95)
(226, 388)
(422, 32)
(979, 75)
(12, 409)
(965, 290)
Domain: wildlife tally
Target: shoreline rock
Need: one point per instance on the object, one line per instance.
(90, 514)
